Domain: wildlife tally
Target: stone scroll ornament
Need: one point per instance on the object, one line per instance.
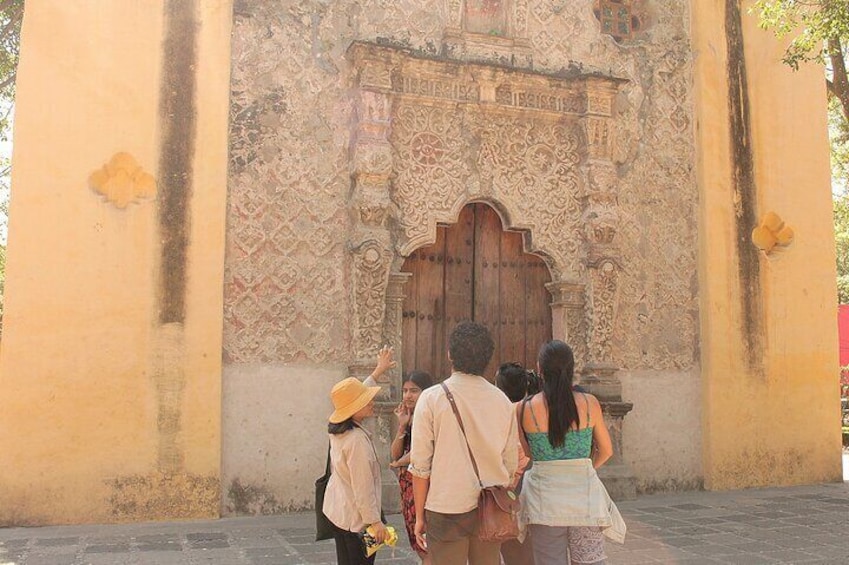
(371, 277)
(122, 181)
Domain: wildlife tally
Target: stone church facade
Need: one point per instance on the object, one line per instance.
(268, 184)
(384, 119)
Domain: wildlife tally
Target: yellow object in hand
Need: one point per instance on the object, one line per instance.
(371, 544)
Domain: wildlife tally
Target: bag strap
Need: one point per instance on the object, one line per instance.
(462, 429)
(327, 467)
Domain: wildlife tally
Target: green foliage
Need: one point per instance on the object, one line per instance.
(11, 15)
(814, 21)
(841, 234)
(818, 32)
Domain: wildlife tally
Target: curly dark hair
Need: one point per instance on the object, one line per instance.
(470, 346)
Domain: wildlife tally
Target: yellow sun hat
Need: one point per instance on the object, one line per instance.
(349, 396)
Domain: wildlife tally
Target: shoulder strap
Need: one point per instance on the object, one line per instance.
(587, 400)
(462, 429)
(534, 417)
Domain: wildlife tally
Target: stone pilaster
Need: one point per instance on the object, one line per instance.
(568, 316)
(601, 222)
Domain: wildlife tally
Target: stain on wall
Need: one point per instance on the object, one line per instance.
(178, 117)
(150, 497)
(745, 191)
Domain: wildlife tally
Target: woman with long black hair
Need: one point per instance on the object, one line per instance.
(564, 502)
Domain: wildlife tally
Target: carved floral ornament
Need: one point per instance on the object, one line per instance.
(122, 181)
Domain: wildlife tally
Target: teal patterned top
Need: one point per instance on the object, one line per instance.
(576, 445)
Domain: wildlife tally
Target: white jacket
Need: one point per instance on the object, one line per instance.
(569, 493)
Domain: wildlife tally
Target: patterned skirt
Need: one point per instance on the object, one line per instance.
(408, 508)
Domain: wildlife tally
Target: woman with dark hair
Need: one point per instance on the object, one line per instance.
(414, 384)
(565, 506)
(352, 499)
(517, 383)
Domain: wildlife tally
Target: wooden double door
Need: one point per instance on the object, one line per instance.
(475, 271)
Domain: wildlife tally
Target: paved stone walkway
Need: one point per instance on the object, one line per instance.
(782, 525)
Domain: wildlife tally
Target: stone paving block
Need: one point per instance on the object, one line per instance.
(207, 556)
(158, 538)
(159, 546)
(14, 543)
(104, 559)
(712, 550)
(756, 547)
(324, 557)
(791, 556)
(51, 559)
(321, 547)
(108, 548)
(169, 558)
(747, 559)
(57, 542)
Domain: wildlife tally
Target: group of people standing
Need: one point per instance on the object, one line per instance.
(540, 436)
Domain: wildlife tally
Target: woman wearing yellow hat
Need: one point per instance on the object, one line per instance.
(352, 499)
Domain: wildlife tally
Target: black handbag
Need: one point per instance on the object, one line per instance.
(324, 528)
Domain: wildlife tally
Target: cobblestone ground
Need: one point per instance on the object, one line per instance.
(782, 525)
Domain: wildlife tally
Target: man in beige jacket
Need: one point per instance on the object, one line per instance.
(445, 486)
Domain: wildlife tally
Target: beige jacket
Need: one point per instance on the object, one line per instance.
(439, 452)
(352, 499)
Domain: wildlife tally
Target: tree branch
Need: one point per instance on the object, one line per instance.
(840, 86)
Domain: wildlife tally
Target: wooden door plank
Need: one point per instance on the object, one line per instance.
(512, 291)
(487, 277)
(538, 311)
(429, 304)
(459, 252)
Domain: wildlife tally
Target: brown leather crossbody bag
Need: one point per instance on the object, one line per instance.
(498, 506)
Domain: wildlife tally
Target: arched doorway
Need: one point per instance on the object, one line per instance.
(474, 271)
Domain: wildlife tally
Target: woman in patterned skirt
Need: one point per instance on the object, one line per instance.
(414, 384)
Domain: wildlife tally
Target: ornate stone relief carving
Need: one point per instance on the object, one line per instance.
(291, 163)
(371, 276)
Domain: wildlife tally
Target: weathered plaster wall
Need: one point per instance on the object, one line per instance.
(288, 273)
(769, 344)
(111, 412)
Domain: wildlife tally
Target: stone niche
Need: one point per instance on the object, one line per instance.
(432, 134)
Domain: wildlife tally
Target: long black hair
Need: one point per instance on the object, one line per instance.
(557, 364)
(421, 379)
(513, 380)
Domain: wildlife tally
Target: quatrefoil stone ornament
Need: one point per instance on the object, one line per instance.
(122, 181)
(772, 232)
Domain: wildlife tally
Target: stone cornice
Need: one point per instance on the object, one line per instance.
(400, 71)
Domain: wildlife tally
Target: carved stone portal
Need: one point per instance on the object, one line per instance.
(432, 135)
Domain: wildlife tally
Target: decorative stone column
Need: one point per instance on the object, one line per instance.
(386, 422)
(568, 317)
(378, 296)
(601, 221)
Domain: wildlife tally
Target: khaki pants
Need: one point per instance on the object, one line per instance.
(452, 539)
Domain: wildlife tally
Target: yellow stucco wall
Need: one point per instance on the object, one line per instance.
(771, 412)
(80, 428)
